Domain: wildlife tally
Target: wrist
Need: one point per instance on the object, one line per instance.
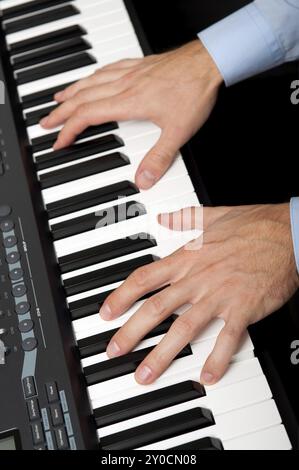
(204, 62)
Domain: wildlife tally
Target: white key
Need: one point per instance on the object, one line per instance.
(77, 74)
(274, 438)
(105, 7)
(237, 372)
(201, 350)
(144, 223)
(220, 401)
(229, 425)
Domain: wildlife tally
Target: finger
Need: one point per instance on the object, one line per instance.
(154, 311)
(140, 282)
(85, 96)
(159, 159)
(226, 346)
(183, 330)
(100, 77)
(115, 108)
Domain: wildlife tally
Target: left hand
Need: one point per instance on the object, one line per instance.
(244, 271)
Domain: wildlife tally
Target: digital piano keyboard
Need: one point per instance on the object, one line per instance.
(58, 262)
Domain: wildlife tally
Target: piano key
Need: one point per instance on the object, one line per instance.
(33, 21)
(220, 401)
(107, 251)
(273, 438)
(102, 277)
(82, 170)
(97, 344)
(148, 403)
(166, 428)
(81, 150)
(177, 170)
(56, 67)
(206, 443)
(148, 222)
(119, 366)
(25, 8)
(17, 49)
(91, 198)
(46, 141)
(79, 73)
(41, 97)
(34, 117)
(57, 51)
(92, 15)
(231, 425)
(200, 352)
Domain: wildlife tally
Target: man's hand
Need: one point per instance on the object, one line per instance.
(176, 90)
(244, 271)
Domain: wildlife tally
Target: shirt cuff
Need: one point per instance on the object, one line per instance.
(243, 45)
(294, 208)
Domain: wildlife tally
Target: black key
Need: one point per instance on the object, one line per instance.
(84, 149)
(46, 141)
(105, 252)
(91, 198)
(30, 7)
(148, 403)
(105, 217)
(97, 344)
(105, 276)
(91, 305)
(61, 49)
(34, 117)
(47, 39)
(166, 428)
(206, 443)
(40, 18)
(42, 97)
(53, 68)
(123, 365)
(82, 170)
(99, 219)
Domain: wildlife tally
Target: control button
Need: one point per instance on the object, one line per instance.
(2, 353)
(7, 225)
(25, 326)
(9, 242)
(29, 387)
(37, 433)
(33, 409)
(61, 439)
(56, 414)
(13, 257)
(19, 290)
(16, 274)
(29, 344)
(22, 308)
(3, 332)
(4, 210)
(52, 393)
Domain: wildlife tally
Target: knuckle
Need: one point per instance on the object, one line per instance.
(140, 276)
(184, 328)
(156, 305)
(233, 330)
(161, 156)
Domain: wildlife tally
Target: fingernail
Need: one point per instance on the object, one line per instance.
(146, 179)
(43, 122)
(113, 349)
(106, 312)
(207, 378)
(144, 374)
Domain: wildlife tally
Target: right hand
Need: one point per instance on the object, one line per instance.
(176, 90)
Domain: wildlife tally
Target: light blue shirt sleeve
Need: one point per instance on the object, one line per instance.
(256, 38)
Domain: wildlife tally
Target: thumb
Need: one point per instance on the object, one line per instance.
(158, 159)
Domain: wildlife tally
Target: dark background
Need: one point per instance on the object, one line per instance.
(247, 152)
